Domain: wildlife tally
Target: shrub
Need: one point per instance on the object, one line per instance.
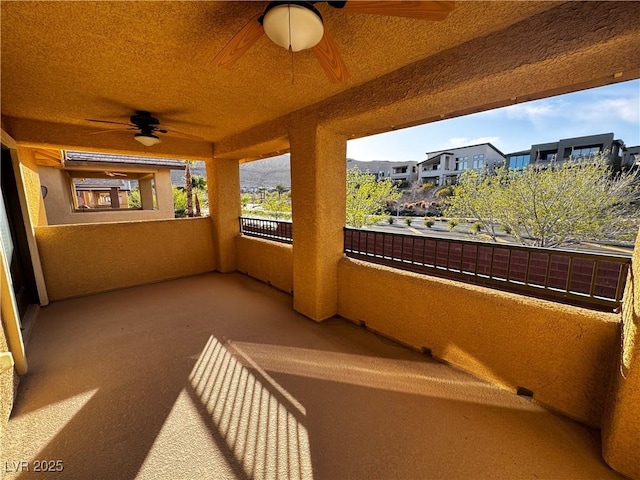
(408, 221)
(390, 220)
(428, 222)
(506, 229)
(444, 192)
(452, 222)
(179, 201)
(475, 228)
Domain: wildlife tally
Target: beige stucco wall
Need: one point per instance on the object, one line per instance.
(91, 258)
(6, 389)
(563, 354)
(59, 204)
(271, 262)
(29, 171)
(621, 426)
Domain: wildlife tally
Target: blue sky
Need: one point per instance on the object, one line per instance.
(614, 108)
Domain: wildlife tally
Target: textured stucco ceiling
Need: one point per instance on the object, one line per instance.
(63, 62)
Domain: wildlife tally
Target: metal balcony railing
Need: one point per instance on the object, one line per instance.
(588, 280)
(269, 229)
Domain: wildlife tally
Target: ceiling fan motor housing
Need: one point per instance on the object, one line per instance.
(143, 119)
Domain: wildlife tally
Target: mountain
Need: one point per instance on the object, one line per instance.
(177, 176)
(274, 171)
(262, 173)
(373, 166)
(266, 173)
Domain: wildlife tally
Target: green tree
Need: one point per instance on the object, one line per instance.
(179, 201)
(367, 198)
(277, 205)
(551, 206)
(245, 199)
(478, 196)
(134, 198)
(280, 189)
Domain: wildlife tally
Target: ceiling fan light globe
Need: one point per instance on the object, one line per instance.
(306, 26)
(147, 140)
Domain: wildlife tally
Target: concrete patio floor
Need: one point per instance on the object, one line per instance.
(216, 376)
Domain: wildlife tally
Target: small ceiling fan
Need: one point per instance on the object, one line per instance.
(298, 25)
(114, 174)
(148, 128)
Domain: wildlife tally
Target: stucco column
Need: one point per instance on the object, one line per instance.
(621, 424)
(318, 188)
(223, 183)
(114, 196)
(146, 193)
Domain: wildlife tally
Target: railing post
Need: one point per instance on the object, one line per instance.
(569, 274)
(594, 273)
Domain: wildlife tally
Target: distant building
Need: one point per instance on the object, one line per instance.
(404, 173)
(631, 157)
(401, 173)
(444, 167)
(85, 187)
(577, 148)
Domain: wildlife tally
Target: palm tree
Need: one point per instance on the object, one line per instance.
(280, 189)
(188, 187)
(199, 184)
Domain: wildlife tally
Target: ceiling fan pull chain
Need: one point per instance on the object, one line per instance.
(290, 47)
(292, 69)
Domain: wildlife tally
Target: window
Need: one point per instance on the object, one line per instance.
(399, 169)
(519, 161)
(478, 161)
(583, 152)
(547, 155)
(462, 163)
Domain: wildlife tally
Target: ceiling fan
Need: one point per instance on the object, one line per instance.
(115, 174)
(148, 128)
(298, 25)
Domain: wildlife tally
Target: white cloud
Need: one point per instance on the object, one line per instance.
(625, 109)
(535, 111)
(531, 111)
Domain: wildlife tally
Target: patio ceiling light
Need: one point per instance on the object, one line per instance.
(147, 140)
(293, 25)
